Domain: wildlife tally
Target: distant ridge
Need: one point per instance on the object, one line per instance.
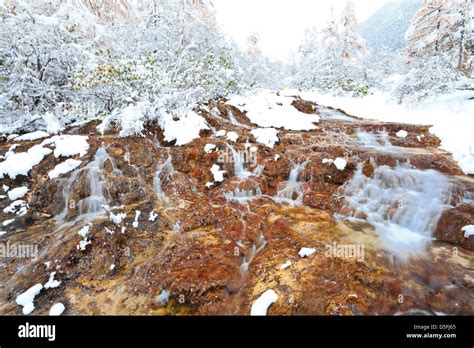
(385, 29)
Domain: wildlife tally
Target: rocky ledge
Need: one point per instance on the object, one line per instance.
(144, 227)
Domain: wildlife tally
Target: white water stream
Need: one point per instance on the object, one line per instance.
(403, 204)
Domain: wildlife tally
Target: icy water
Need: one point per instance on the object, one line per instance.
(403, 204)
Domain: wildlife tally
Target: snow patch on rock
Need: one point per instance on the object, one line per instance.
(32, 136)
(218, 173)
(26, 299)
(306, 252)
(402, 134)
(57, 309)
(64, 168)
(261, 305)
(340, 163)
(266, 136)
(267, 109)
(468, 231)
(21, 163)
(17, 193)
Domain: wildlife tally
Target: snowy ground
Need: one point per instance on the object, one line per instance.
(452, 117)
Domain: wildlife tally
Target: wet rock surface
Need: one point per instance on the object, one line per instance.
(155, 224)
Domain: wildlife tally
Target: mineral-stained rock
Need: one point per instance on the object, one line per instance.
(216, 248)
(451, 224)
(304, 106)
(48, 197)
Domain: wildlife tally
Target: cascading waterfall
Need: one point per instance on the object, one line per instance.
(331, 114)
(379, 142)
(403, 204)
(293, 191)
(239, 161)
(232, 118)
(254, 250)
(243, 196)
(165, 169)
(90, 206)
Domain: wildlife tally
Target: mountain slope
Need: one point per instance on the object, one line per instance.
(386, 28)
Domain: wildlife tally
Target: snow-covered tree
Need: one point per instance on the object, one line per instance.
(95, 58)
(441, 27)
(438, 48)
(253, 47)
(39, 55)
(353, 45)
(333, 58)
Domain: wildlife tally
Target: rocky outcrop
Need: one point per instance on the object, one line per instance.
(158, 221)
(451, 224)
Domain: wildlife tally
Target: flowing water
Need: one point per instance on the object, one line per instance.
(402, 203)
(239, 164)
(164, 170)
(237, 234)
(91, 206)
(292, 191)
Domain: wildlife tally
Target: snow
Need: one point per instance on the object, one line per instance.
(53, 126)
(10, 151)
(218, 173)
(402, 134)
(276, 158)
(26, 299)
(285, 265)
(232, 136)
(340, 163)
(68, 145)
(17, 193)
(84, 232)
(57, 309)
(468, 231)
(260, 306)
(21, 163)
(64, 168)
(8, 222)
(133, 118)
(5, 188)
(305, 252)
(12, 208)
(83, 244)
(221, 133)
(163, 298)
(12, 137)
(112, 267)
(51, 284)
(266, 136)
(450, 115)
(209, 148)
(267, 109)
(326, 161)
(2, 233)
(32, 136)
(153, 216)
(117, 218)
(137, 216)
(184, 130)
(209, 184)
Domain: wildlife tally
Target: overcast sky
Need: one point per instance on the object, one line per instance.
(281, 23)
